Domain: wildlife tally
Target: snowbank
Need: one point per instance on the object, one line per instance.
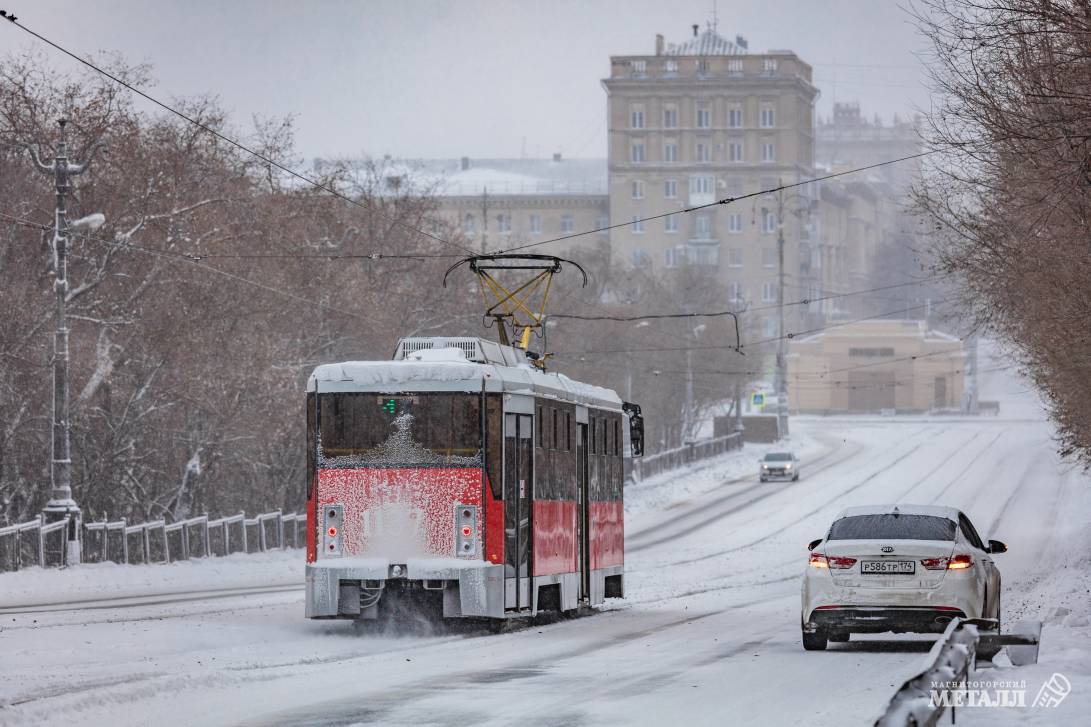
(93, 581)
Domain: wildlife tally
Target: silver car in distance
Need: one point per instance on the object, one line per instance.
(779, 466)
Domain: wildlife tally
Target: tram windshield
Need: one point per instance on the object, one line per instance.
(370, 430)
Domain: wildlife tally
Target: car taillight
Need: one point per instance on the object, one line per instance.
(960, 562)
(818, 561)
(839, 562)
(934, 563)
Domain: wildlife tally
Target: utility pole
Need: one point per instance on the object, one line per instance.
(61, 504)
(781, 379)
(484, 220)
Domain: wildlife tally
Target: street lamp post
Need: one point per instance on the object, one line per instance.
(780, 383)
(61, 504)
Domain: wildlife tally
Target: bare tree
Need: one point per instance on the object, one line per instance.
(1008, 187)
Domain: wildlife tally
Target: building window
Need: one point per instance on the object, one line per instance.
(602, 221)
(734, 118)
(469, 225)
(769, 292)
(670, 152)
(675, 256)
(638, 225)
(503, 222)
(636, 117)
(639, 67)
(702, 185)
(734, 257)
(734, 291)
(638, 189)
(734, 66)
(769, 327)
(670, 223)
(568, 224)
(704, 152)
(703, 227)
(705, 255)
(702, 65)
(704, 117)
(637, 152)
(768, 118)
(768, 66)
(768, 221)
(734, 223)
(535, 224)
(768, 257)
(640, 257)
(670, 117)
(670, 189)
(670, 66)
(734, 151)
(768, 152)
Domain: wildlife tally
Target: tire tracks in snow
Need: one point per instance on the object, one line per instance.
(711, 519)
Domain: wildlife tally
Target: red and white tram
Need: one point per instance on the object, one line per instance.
(461, 477)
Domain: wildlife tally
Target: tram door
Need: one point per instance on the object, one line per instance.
(582, 519)
(518, 496)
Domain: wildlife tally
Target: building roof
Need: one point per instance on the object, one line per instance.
(537, 177)
(707, 43)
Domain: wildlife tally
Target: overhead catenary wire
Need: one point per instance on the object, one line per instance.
(788, 336)
(198, 256)
(724, 201)
(237, 144)
(187, 259)
(335, 193)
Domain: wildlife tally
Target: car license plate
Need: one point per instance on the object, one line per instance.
(883, 567)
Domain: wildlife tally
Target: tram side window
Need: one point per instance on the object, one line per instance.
(541, 426)
(494, 444)
(568, 431)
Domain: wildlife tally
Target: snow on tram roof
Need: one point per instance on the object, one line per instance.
(448, 368)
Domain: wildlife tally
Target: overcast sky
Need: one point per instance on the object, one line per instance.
(450, 78)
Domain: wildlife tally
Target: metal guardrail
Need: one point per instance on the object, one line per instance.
(922, 699)
(150, 542)
(688, 453)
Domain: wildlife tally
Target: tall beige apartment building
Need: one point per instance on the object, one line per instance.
(697, 122)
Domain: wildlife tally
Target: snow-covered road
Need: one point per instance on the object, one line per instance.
(708, 633)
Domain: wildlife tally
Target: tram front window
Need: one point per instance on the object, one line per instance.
(429, 430)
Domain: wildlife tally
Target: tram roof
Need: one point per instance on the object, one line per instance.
(462, 364)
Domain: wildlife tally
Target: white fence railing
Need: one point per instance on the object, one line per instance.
(644, 467)
(44, 544)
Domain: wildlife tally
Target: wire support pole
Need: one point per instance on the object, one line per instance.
(61, 503)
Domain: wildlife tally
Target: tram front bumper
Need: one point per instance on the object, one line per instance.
(336, 587)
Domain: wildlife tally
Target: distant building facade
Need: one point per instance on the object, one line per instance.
(501, 203)
(873, 366)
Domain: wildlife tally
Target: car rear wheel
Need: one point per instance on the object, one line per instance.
(816, 641)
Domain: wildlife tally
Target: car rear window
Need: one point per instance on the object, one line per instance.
(892, 527)
(778, 457)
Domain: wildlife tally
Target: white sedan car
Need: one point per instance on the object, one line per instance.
(778, 466)
(901, 568)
